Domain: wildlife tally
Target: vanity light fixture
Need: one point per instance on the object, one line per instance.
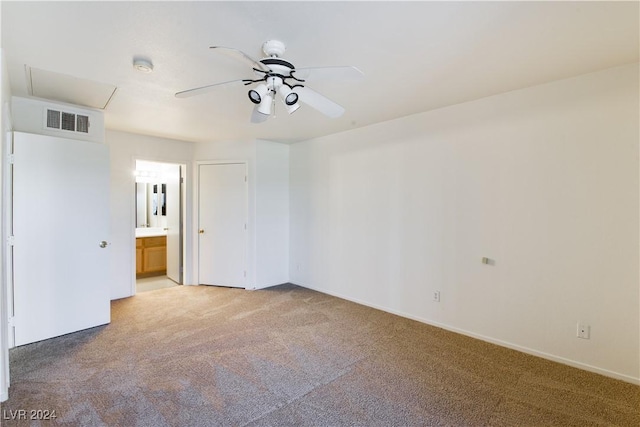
(145, 174)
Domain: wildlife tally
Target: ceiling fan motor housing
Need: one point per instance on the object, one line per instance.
(279, 71)
(278, 66)
(275, 79)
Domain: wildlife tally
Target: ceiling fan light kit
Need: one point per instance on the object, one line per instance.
(275, 75)
(291, 108)
(289, 97)
(265, 106)
(256, 95)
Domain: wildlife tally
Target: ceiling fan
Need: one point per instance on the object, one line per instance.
(278, 77)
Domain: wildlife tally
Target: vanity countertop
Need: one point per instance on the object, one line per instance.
(150, 232)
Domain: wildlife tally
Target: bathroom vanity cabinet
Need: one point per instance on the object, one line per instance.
(151, 256)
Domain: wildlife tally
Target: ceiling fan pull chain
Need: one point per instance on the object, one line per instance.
(273, 105)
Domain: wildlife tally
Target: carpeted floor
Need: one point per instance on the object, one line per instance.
(288, 356)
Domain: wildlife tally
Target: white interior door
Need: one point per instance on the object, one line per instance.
(61, 218)
(222, 224)
(173, 197)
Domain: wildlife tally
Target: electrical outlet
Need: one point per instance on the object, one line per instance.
(584, 331)
(436, 296)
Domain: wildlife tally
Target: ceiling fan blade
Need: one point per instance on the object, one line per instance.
(319, 102)
(238, 54)
(346, 73)
(258, 117)
(207, 88)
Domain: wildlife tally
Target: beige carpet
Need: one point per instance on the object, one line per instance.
(288, 356)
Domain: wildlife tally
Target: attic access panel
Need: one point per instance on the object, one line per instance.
(72, 90)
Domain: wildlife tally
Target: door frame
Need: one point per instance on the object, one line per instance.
(196, 212)
(184, 169)
(7, 338)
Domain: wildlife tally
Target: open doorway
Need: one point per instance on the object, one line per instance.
(159, 196)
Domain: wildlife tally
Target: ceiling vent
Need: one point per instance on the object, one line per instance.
(63, 120)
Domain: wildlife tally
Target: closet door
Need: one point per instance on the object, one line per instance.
(222, 224)
(61, 227)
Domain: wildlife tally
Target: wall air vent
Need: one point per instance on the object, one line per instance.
(82, 123)
(67, 121)
(41, 117)
(53, 119)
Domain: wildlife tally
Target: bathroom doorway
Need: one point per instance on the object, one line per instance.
(159, 200)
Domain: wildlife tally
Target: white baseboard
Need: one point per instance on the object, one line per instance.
(533, 352)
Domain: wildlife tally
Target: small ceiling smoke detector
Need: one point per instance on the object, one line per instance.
(143, 65)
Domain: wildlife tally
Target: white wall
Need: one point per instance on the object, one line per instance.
(272, 213)
(543, 181)
(124, 149)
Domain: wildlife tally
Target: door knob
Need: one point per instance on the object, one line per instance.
(104, 244)
(201, 231)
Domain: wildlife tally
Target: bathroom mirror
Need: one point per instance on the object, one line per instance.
(151, 204)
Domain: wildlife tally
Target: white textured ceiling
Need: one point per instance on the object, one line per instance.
(416, 56)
